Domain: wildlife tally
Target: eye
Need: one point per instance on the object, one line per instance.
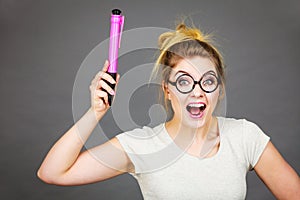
(184, 81)
(209, 82)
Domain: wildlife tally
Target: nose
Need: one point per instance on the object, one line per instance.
(198, 92)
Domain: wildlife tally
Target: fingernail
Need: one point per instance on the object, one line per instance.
(106, 62)
(112, 92)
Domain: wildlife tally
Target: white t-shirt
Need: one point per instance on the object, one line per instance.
(165, 171)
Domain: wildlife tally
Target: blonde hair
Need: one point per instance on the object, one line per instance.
(182, 43)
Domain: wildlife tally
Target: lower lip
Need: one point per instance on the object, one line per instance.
(197, 116)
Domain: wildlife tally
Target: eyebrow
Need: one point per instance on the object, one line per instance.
(181, 71)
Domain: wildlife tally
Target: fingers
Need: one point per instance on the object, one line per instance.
(107, 77)
(100, 87)
(103, 75)
(117, 80)
(103, 85)
(101, 96)
(106, 65)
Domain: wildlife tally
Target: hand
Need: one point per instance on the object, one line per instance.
(99, 89)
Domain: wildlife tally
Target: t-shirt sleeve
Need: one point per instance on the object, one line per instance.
(135, 146)
(128, 145)
(254, 143)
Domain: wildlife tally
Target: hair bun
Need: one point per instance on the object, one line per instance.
(192, 32)
(180, 26)
(182, 31)
(164, 38)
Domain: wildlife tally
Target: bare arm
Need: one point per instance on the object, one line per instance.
(277, 174)
(65, 165)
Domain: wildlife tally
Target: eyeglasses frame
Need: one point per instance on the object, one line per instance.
(196, 82)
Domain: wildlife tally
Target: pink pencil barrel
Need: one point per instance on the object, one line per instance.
(116, 28)
(116, 21)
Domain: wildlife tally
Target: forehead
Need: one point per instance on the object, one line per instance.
(195, 66)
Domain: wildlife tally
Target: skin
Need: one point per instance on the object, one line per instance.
(65, 164)
(196, 67)
(190, 131)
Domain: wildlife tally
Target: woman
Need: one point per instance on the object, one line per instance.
(195, 155)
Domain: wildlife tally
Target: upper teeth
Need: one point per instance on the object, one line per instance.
(196, 105)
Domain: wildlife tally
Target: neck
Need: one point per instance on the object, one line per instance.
(175, 128)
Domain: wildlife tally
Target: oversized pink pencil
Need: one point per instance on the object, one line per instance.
(116, 28)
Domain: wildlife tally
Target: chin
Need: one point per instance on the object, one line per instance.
(194, 123)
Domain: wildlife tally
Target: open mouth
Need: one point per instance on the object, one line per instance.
(196, 109)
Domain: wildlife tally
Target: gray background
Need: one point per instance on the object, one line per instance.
(43, 43)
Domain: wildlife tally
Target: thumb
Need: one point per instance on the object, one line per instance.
(106, 65)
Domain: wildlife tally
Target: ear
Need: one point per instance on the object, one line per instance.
(222, 92)
(166, 90)
(168, 93)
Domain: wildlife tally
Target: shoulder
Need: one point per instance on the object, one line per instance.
(141, 144)
(243, 132)
(232, 122)
(240, 128)
(247, 138)
(236, 125)
(141, 140)
(141, 133)
(230, 126)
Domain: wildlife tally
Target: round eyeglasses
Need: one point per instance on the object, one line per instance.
(185, 83)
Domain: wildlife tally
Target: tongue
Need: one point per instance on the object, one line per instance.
(194, 111)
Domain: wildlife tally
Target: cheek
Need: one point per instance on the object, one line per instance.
(177, 101)
(213, 98)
